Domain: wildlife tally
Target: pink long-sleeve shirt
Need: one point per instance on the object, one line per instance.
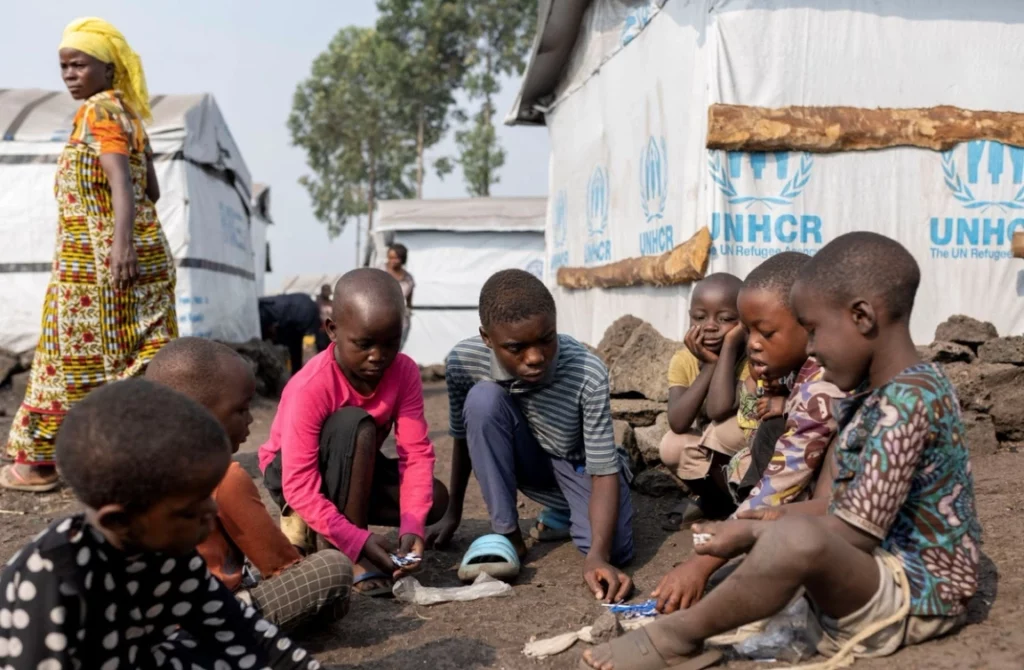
(316, 392)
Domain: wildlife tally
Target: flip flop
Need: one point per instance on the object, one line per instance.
(10, 479)
(491, 554)
(552, 525)
(380, 591)
(635, 651)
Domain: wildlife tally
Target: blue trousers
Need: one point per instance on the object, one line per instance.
(506, 458)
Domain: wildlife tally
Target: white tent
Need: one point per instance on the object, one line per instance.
(204, 209)
(624, 88)
(454, 246)
(258, 228)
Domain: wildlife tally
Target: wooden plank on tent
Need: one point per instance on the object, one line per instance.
(684, 264)
(834, 129)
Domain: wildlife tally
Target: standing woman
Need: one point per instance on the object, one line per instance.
(110, 303)
(398, 256)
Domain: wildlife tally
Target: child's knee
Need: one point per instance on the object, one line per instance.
(799, 541)
(335, 570)
(484, 398)
(366, 435)
(440, 506)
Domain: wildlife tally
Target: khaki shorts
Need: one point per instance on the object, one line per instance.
(725, 438)
(831, 634)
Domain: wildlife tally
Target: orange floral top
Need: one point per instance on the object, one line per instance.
(107, 125)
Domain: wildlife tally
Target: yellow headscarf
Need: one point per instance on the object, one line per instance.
(104, 42)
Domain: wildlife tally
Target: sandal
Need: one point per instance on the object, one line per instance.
(683, 515)
(635, 651)
(13, 480)
(493, 554)
(552, 525)
(378, 592)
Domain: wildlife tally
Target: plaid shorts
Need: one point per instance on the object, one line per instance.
(317, 588)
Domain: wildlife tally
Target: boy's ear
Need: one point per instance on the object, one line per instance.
(331, 329)
(485, 337)
(864, 317)
(114, 518)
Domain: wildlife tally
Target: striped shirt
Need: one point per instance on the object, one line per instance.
(569, 413)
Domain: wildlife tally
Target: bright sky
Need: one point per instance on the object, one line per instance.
(250, 55)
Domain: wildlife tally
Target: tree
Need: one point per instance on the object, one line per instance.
(499, 38)
(348, 118)
(429, 35)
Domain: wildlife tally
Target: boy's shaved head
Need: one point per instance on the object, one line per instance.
(722, 282)
(866, 265)
(777, 274)
(368, 290)
(195, 367)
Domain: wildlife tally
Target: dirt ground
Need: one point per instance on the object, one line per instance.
(550, 598)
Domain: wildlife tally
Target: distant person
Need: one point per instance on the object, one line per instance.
(398, 256)
(322, 464)
(110, 303)
(323, 301)
(291, 591)
(286, 320)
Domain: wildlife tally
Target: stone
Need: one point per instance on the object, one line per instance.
(9, 364)
(626, 439)
(965, 330)
(1005, 383)
(641, 368)
(649, 438)
(26, 358)
(615, 337)
(270, 362)
(946, 352)
(637, 412)
(1003, 350)
(605, 628)
(980, 434)
(658, 482)
(970, 386)
(432, 373)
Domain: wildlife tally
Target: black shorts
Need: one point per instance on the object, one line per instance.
(337, 452)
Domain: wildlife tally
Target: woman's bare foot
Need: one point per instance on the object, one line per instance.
(31, 478)
(373, 583)
(672, 648)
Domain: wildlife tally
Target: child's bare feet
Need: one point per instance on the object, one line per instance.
(369, 585)
(516, 538)
(658, 637)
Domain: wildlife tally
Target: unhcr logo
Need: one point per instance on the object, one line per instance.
(760, 184)
(536, 268)
(987, 179)
(599, 247)
(653, 196)
(559, 231)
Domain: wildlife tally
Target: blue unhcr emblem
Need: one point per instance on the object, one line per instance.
(653, 178)
(995, 166)
(536, 268)
(597, 202)
(635, 22)
(793, 182)
(559, 227)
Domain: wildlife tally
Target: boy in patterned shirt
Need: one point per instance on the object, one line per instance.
(121, 586)
(894, 559)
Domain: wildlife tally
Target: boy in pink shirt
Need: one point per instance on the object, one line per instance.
(322, 462)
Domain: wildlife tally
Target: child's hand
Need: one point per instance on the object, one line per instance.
(378, 551)
(694, 341)
(736, 340)
(770, 407)
(410, 544)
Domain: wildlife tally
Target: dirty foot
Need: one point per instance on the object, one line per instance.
(29, 478)
(368, 580)
(653, 646)
(516, 538)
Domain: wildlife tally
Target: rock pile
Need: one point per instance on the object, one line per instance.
(269, 363)
(987, 370)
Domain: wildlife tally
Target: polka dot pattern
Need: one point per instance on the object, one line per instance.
(149, 611)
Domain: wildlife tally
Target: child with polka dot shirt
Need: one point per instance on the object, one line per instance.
(121, 586)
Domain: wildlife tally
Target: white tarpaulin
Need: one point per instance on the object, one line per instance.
(630, 174)
(454, 246)
(204, 209)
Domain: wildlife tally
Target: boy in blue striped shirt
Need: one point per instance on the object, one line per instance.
(530, 411)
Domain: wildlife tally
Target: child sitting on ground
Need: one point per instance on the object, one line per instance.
(323, 465)
(121, 586)
(530, 410)
(777, 352)
(894, 560)
(709, 382)
(291, 590)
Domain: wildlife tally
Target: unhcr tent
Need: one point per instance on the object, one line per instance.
(204, 208)
(454, 246)
(625, 87)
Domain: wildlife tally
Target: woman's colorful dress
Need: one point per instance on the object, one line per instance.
(93, 332)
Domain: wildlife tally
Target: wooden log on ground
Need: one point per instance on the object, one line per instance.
(1017, 245)
(684, 264)
(833, 129)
